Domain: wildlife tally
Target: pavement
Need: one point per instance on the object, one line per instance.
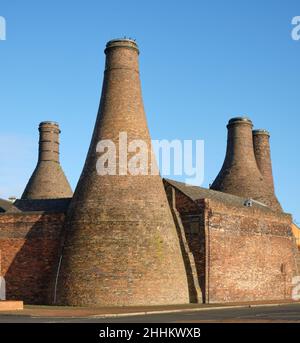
(242, 312)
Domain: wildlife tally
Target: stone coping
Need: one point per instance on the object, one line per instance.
(11, 305)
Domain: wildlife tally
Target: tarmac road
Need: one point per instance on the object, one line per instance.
(282, 313)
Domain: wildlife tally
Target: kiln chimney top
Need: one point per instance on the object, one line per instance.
(261, 132)
(49, 123)
(238, 120)
(123, 43)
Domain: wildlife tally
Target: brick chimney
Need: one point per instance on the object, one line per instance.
(262, 151)
(121, 244)
(48, 180)
(240, 174)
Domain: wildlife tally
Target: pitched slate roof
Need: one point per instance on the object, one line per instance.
(197, 193)
(44, 205)
(6, 206)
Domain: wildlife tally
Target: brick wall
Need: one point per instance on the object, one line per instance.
(195, 236)
(241, 254)
(192, 217)
(250, 254)
(30, 244)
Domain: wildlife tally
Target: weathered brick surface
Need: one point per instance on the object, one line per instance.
(30, 245)
(48, 180)
(195, 291)
(121, 246)
(239, 174)
(241, 253)
(262, 151)
(263, 155)
(249, 253)
(192, 217)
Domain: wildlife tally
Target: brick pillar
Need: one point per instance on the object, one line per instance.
(48, 179)
(121, 244)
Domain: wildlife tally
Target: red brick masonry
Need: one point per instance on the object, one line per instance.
(241, 254)
(30, 245)
(250, 255)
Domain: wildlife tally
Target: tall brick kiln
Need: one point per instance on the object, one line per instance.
(48, 179)
(127, 240)
(240, 174)
(262, 151)
(31, 228)
(121, 244)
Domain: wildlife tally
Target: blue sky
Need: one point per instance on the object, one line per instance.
(202, 62)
